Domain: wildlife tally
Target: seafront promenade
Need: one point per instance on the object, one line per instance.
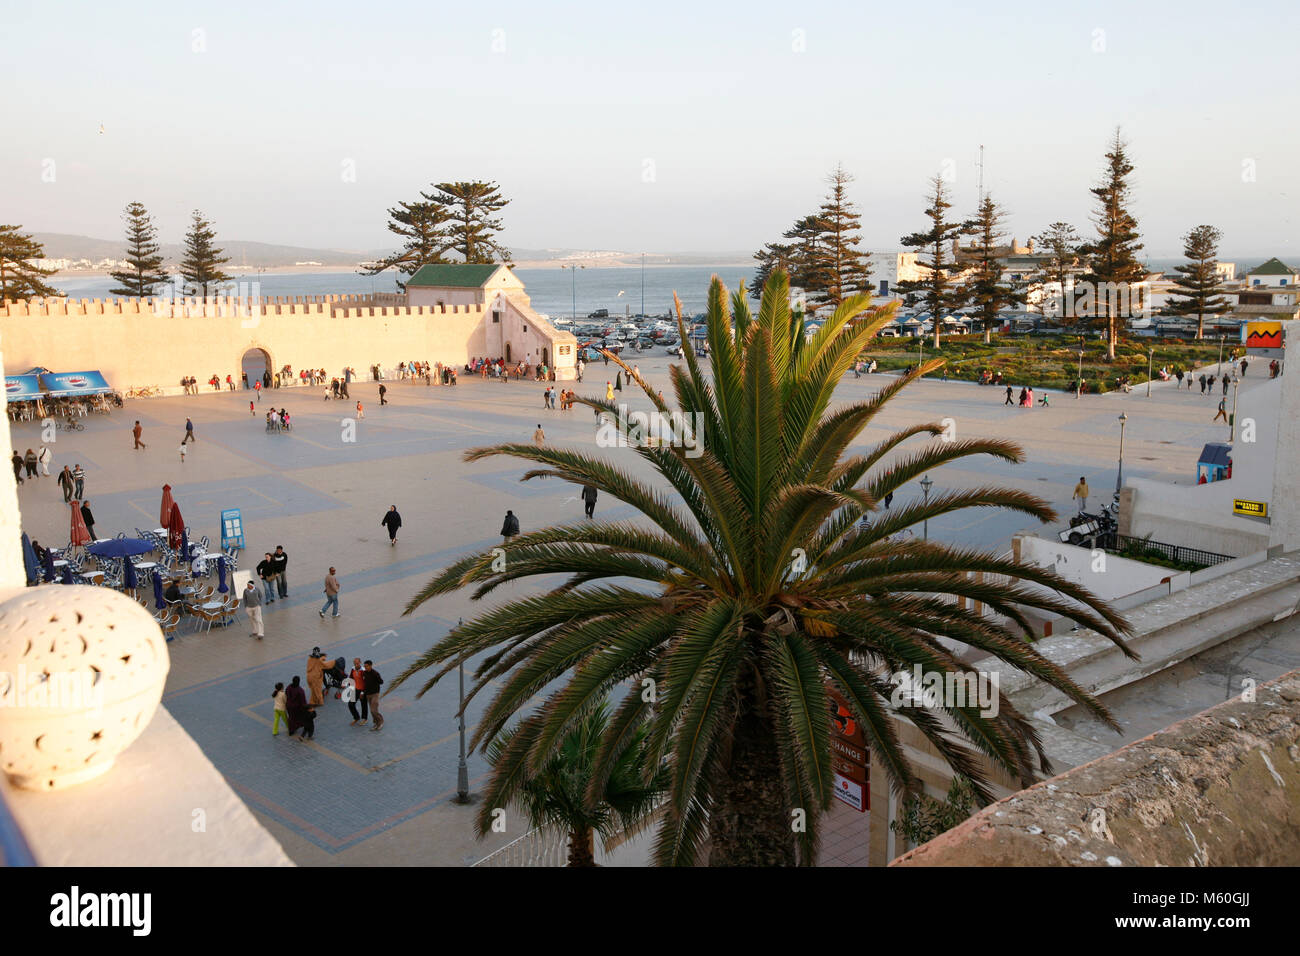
(353, 797)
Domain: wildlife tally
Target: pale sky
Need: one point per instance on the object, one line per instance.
(658, 127)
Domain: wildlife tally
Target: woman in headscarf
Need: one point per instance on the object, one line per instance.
(316, 675)
(295, 700)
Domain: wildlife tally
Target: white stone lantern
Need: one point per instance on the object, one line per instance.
(82, 671)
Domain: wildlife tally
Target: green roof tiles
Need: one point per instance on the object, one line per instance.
(453, 275)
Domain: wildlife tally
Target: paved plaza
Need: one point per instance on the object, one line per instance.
(353, 797)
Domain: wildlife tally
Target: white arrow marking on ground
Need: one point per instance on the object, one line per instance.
(382, 635)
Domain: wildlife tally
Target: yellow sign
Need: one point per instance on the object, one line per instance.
(1253, 509)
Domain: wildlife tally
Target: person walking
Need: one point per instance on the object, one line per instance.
(182, 449)
(392, 521)
(280, 713)
(251, 409)
(79, 481)
(589, 499)
(1009, 400)
(29, 462)
(257, 390)
(44, 456)
(1223, 410)
(889, 499)
(361, 410)
(137, 431)
(539, 436)
(65, 480)
(1244, 365)
(1225, 383)
(189, 432)
(253, 605)
(317, 665)
(383, 391)
(1081, 494)
(266, 571)
(17, 461)
(281, 562)
(331, 594)
(301, 715)
(89, 518)
(358, 677)
(373, 682)
(510, 527)
(609, 390)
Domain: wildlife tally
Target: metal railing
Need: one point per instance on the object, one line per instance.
(544, 847)
(1174, 552)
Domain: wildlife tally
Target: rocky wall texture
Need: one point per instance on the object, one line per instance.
(1218, 789)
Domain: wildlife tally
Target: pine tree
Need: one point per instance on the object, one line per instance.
(144, 264)
(986, 290)
(773, 256)
(1114, 270)
(841, 269)
(1061, 244)
(19, 278)
(937, 290)
(805, 271)
(472, 230)
(1199, 278)
(202, 264)
(423, 226)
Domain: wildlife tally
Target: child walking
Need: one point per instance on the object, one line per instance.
(361, 412)
(281, 710)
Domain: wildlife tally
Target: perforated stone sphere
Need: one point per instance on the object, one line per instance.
(81, 672)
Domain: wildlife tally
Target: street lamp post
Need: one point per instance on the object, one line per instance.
(1232, 422)
(1220, 372)
(926, 484)
(920, 352)
(1151, 358)
(643, 285)
(1078, 382)
(1119, 476)
(462, 768)
(573, 275)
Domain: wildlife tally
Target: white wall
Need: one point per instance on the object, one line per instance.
(1117, 577)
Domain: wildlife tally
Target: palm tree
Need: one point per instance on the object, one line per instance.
(559, 793)
(765, 578)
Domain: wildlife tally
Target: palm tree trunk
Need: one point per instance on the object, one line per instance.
(750, 823)
(582, 847)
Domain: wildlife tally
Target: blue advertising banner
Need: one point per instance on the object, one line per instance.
(74, 383)
(22, 388)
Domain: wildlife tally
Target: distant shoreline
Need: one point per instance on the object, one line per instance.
(249, 271)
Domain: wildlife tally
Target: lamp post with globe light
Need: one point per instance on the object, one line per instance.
(926, 485)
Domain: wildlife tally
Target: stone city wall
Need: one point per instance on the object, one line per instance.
(138, 342)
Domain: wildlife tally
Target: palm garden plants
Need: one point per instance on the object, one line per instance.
(765, 576)
(560, 794)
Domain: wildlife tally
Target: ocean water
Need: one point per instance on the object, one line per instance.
(554, 292)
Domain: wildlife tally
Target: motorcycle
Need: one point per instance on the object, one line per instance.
(1098, 527)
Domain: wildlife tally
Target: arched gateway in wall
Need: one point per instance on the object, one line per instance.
(255, 363)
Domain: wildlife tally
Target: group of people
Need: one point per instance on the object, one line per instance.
(361, 688)
(31, 460)
(567, 398)
(277, 419)
(1026, 398)
(860, 366)
(338, 389)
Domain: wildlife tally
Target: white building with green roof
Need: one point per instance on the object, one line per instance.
(511, 330)
(1275, 272)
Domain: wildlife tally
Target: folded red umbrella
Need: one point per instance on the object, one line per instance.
(165, 515)
(175, 527)
(79, 535)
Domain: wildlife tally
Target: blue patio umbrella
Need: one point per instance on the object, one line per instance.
(221, 576)
(120, 547)
(32, 566)
(67, 574)
(129, 579)
(49, 565)
(158, 600)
